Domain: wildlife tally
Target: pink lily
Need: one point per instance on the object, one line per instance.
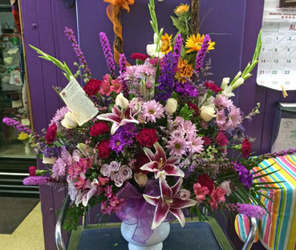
(159, 164)
(118, 117)
(168, 201)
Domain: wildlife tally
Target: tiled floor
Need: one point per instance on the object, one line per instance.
(28, 236)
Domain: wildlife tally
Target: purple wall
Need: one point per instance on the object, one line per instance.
(233, 25)
(43, 25)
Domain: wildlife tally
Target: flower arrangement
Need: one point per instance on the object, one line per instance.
(164, 138)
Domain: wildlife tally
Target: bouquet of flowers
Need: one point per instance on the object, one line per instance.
(154, 140)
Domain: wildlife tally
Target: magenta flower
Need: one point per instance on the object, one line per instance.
(159, 164)
(168, 201)
(118, 117)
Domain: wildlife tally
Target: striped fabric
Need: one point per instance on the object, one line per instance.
(278, 229)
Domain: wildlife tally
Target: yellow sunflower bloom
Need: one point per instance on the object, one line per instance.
(193, 43)
(185, 70)
(181, 9)
(166, 43)
(22, 136)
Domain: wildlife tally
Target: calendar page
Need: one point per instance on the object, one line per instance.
(277, 60)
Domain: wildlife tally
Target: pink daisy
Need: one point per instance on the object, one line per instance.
(188, 128)
(221, 119)
(235, 118)
(177, 146)
(59, 115)
(222, 101)
(152, 110)
(195, 144)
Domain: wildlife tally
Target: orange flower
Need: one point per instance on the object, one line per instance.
(184, 70)
(181, 9)
(194, 43)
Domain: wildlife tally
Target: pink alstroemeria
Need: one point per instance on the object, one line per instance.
(118, 117)
(159, 164)
(168, 201)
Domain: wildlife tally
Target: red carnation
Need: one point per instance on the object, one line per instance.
(207, 140)
(193, 107)
(92, 87)
(221, 139)
(147, 137)
(51, 133)
(246, 148)
(99, 128)
(212, 86)
(32, 171)
(104, 149)
(141, 160)
(205, 181)
(139, 56)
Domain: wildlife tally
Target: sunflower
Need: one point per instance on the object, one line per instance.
(184, 70)
(166, 43)
(194, 43)
(181, 9)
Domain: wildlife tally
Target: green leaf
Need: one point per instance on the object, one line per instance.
(181, 26)
(186, 113)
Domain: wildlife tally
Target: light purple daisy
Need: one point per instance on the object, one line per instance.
(221, 119)
(152, 110)
(188, 128)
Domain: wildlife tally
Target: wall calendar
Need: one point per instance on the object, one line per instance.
(277, 60)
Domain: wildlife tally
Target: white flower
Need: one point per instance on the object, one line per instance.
(207, 113)
(237, 83)
(69, 121)
(50, 160)
(121, 101)
(225, 82)
(141, 179)
(171, 105)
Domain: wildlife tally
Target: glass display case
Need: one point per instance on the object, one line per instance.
(15, 152)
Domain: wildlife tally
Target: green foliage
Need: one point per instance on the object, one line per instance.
(186, 113)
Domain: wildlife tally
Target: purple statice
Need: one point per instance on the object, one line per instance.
(107, 53)
(166, 78)
(122, 69)
(51, 152)
(251, 210)
(178, 45)
(36, 181)
(245, 177)
(186, 89)
(70, 34)
(202, 53)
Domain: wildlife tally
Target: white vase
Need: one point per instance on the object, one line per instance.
(153, 243)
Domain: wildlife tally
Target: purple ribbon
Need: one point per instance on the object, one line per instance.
(136, 211)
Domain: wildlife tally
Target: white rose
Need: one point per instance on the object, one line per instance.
(69, 121)
(171, 105)
(207, 113)
(50, 160)
(121, 101)
(141, 179)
